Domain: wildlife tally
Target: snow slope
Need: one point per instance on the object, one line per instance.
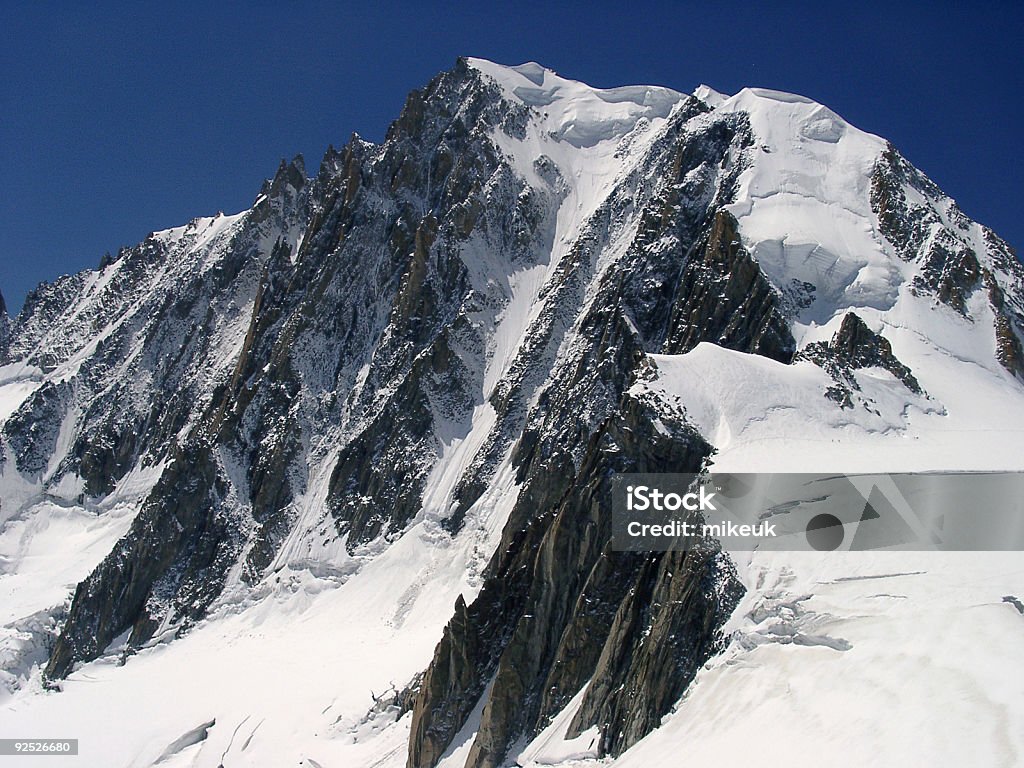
(803, 205)
(577, 114)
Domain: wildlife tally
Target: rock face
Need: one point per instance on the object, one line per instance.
(366, 323)
(561, 608)
(855, 346)
(724, 298)
(165, 572)
(32, 431)
(463, 308)
(934, 232)
(1009, 325)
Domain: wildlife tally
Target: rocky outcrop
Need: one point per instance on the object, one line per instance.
(563, 608)
(1008, 325)
(855, 346)
(950, 272)
(163, 573)
(907, 226)
(32, 431)
(724, 298)
(946, 247)
(949, 266)
(666, 627)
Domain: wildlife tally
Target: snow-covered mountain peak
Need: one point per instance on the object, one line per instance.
(575, 112)
(306, 431)
(789, 117)
(709, 95)
(837, 220)
(804, 204)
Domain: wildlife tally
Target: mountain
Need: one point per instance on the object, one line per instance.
(327, 482)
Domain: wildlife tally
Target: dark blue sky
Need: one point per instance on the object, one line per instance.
(116, 120)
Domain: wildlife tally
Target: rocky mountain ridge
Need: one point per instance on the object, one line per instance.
(461, 320)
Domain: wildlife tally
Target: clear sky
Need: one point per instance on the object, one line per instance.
(120, 119)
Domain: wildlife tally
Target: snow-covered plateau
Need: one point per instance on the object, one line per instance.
(324, 483)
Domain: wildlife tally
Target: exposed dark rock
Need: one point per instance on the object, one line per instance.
(667, 626)
(551, 590)
(163, 573)
(907, 226)
(855, 346)
(32, 431)
(1015, 602)
(451, 686)
(950, 270)
(1009, 325)
(287, 183)
(104, 456)
(375, 488)
(724, 298)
